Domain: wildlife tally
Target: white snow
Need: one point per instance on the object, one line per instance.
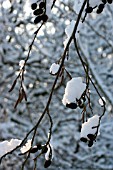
(32, 1)
(69, 30)
(21, 63)
(70, 27)
(101, 102)
(65, 42)
(7, 146)
(77, 5)
(74, 89)
(54, 68)
(48, 7)
(94, 3)
(26, 147)
(87, 126)
(47, 157)
(6, 4)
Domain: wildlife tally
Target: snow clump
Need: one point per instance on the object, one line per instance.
(73, 92)
(89, 130)
(69, 30)
(49, 155)
(101, 102)
(21, 64)
(7, 146)
(50, 152)
(26, 147)
(54, 68)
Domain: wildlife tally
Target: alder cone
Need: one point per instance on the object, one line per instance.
(104, 1)
(89, 9)
(44, 149)
(91, 136)
(99, 11)
(71, 105)
(34, 150)
(101, 6)
(83, 139)
(37, 20)
(38, 12)
(42, 5)
(33, 6)
(90, 144)
(39, 146)
(47, 163)
(110, 1)
(44, 18)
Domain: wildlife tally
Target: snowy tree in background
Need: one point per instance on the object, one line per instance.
(60, 113)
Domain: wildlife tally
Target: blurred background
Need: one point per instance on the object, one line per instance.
(96, 46)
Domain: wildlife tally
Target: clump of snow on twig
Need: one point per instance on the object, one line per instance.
(74, 89)
(48, 154)
(69, 30)
(54, 68)
(87, 126)
(89, 130)
(26, 147)
(21, 64)
(7, 146)
(101, 102)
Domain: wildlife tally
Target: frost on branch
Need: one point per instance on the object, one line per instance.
(89, 130)
(101, 102)
(77, 5)
(73, 92)
(69, 31)
(21, 64)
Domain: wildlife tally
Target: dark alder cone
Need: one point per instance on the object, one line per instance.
(44, 149)
(33, 6)
(81, 106)
(44, 18)
(39, 146)
(71, 105)
(79, 101)
(37, 20)
(99, 11)
(90, 144)
(47, 163)
(104, 1)
(101, 6)
(91, 136)
(34, 150)
(83, 139)
(38, 12)
(110, 1)
(42, 5)
(89, 9)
